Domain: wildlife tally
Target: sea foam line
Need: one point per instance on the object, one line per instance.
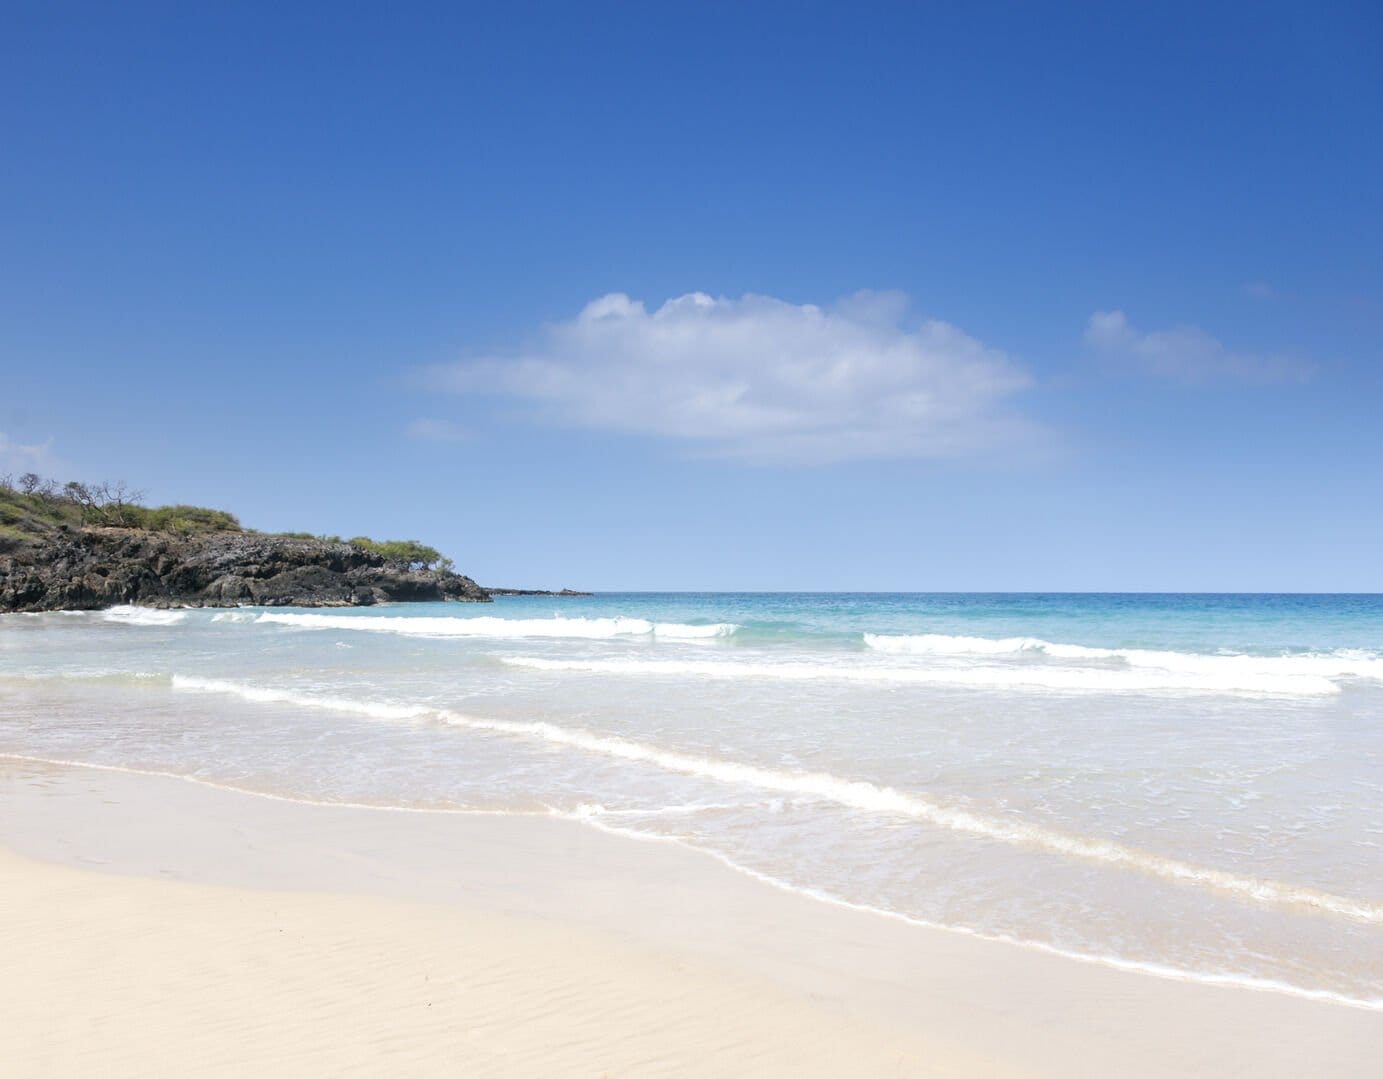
(199, 781)
(142, 616)
(589, 816)
(505, 628)
(1342, 663)
(97, 674)
(1036, 676)
(850, 793)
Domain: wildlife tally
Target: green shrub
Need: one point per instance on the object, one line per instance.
(413, 554)
(37, 506)
(187, 519)
(36, 512)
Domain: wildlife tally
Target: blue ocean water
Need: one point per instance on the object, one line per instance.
(1194, 622)
(1189, 785)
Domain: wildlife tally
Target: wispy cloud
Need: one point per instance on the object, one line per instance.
(1187, 354)
(19, 457)
(427, 430)
(763, 380)
(1260, 290)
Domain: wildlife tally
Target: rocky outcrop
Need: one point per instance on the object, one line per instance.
(533, 592)
(91, 568)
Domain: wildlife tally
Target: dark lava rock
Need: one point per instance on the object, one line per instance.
(91, 568)
(533, 592)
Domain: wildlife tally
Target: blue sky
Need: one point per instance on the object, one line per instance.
(814, 296)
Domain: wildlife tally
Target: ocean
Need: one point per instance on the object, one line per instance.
(1185, 785)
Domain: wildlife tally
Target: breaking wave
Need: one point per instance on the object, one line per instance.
(505, 628)
(142, 616)
(1062, 679)
(1343, 663)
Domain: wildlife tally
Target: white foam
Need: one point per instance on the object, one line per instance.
(503, 628)
(143, 616)
(591, 809)
(684, 631)
(269, 695)
(850, 793)
(590, 815)
(92, 674)
(1066, 679)
(1344, 663)
(200, 781)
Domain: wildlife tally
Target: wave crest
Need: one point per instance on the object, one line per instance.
(504, 628)
(1343, 663)
(1036, 676)
(143, 616)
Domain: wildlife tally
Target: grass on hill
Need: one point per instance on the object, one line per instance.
(32, 507)
(38, 512)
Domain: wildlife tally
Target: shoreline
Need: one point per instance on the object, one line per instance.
(937, 1001)
(1142, 968)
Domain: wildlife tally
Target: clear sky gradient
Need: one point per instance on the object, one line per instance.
(742, 296)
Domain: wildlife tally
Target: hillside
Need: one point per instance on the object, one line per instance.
(80, 548)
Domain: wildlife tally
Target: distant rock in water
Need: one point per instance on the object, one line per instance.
(91, 568)
(533, 592)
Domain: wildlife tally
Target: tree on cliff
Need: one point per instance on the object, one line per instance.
(411, 553)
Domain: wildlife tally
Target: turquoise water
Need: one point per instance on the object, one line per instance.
(1266, 624)
(1187, 785)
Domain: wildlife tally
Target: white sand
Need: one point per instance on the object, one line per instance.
(128, 976)
(229, 934)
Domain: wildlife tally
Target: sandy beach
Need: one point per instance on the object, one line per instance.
(158, 926)
(638, 540)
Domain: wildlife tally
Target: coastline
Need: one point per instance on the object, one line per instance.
(564, 950)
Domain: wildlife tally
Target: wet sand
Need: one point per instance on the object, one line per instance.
(157, 926)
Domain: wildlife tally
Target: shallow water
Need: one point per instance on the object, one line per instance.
(1192, 785)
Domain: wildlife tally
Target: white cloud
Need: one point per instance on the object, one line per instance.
(426, 430)
(764, 380)
(19, 458)
(1187, 353)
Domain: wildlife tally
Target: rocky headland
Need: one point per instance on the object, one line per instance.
(91, 568)
(86, 548)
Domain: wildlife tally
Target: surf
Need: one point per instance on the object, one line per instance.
(849, 793)
(558, 626)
